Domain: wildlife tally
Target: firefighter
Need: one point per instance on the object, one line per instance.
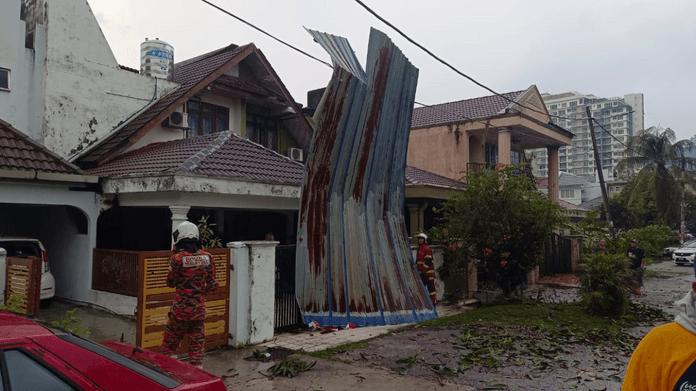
(192, 273)
(426, 266)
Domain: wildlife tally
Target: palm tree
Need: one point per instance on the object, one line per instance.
(662, 163)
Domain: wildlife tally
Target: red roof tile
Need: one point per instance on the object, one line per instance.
(19, 152)
(416, 176)
(462, 110)
(221, 154)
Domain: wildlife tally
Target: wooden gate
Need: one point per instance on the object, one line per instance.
(24, 280)
(287, 312)
(155, 299)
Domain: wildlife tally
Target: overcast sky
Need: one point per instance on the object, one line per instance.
(603, 47)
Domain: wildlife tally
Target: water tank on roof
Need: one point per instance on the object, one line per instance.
(156, 59)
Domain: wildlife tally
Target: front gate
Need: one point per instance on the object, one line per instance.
(23, 280)
(287, 312)
(558, 255)
(155, 299)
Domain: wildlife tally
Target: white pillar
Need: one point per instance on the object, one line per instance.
(252, 293)
(179, 215)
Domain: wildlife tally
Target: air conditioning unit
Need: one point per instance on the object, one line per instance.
(296, 154)
(177, 120)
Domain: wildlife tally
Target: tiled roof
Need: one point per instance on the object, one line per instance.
(459, 111)
(416, 176)
(593, 203)
(187, 75)
(568, 206)
(221, 154)
(567, 179)
(19, 152)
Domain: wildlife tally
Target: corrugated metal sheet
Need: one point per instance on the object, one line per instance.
(354, 262)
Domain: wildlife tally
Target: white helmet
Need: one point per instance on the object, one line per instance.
(185, 230)
(424, 236)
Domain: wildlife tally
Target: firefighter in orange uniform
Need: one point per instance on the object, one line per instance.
(192, 273)
(426, 266)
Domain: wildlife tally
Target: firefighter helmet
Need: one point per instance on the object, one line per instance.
(185, 230)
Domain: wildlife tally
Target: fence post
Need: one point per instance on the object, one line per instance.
(252, 295)
(239, 299)
(3, 274)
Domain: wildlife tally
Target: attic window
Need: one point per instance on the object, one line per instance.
(4, 79)
(205, 118)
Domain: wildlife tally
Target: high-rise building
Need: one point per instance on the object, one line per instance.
(622, 117)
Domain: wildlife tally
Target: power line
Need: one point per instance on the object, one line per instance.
(268, 34)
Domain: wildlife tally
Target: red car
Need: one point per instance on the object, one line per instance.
(42, 358)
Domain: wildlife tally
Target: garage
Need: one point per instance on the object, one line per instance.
(45, 197)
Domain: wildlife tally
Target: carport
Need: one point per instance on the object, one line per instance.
(45, 197)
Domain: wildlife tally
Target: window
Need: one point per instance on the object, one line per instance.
(515, 157)
(491, 154)
(562, 159)
(205, 118)
(568, 193)
(262, 130)
(573, 104)
(553, 107)
(4, 79)
(26, 374)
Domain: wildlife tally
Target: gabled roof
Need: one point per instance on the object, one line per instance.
(223, 154)
(416, 176)
(194, 75)
(566, 179)
(462, 110)
(19, 152)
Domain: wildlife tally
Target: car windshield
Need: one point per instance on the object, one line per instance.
(689, 244)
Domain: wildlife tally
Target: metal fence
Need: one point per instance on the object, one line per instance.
(115, 271)
(558, 255)
(287, 313)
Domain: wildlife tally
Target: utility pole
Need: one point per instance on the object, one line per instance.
(598, 163)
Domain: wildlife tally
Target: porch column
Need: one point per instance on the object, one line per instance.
(179, 215)
(415, 219)
(504, 145)
(553, 173)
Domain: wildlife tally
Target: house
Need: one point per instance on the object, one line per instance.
(225, 157)
(450, 139)
(46, 197)
(571, 187)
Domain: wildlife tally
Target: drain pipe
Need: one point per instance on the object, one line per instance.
(155, 98)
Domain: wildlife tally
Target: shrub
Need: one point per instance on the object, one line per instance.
(606, 282)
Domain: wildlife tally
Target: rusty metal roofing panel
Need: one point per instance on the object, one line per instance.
(341, 53)
(354, 262)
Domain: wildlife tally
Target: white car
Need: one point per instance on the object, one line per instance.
(685, 255)
(24, 247)
(668, 251)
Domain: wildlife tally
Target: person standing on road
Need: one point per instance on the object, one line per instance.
(601, 248)
(666, 357)
(637, 257)
(426, 266)
(192, 273)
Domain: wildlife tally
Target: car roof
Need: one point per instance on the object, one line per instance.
(17, 238)
(15, 326)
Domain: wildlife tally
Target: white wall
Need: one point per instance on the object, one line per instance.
(22, 106)
(69, 251)
(87, 95)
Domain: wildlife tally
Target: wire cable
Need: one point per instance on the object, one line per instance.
(257, 28)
